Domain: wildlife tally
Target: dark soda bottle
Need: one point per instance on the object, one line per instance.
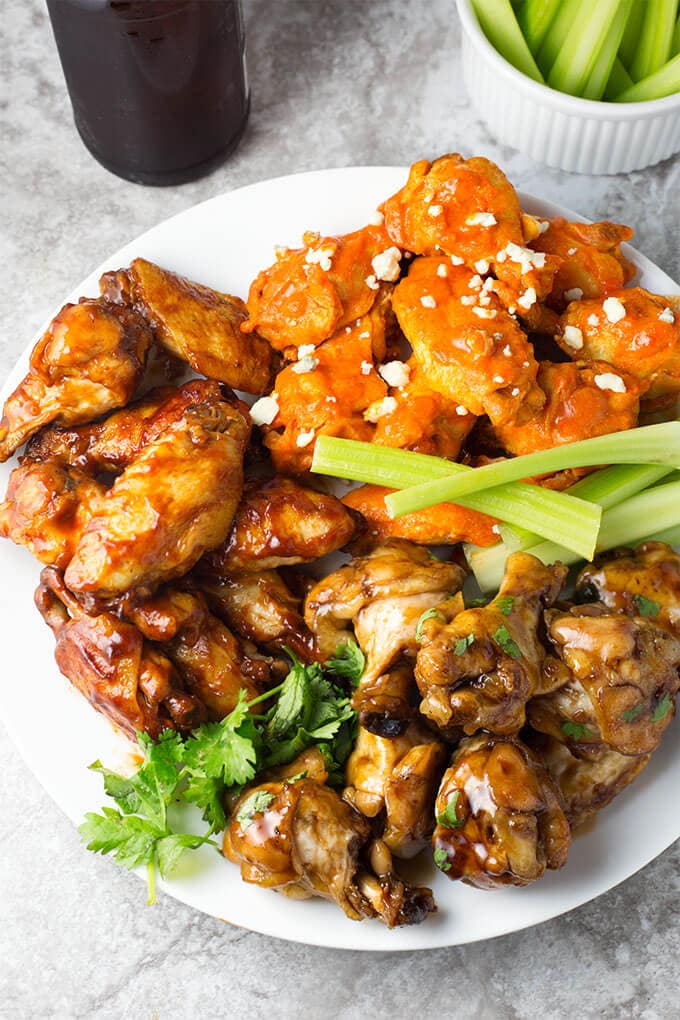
(158, 87)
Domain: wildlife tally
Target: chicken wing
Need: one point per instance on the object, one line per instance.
(592, 264)
(175, 501)
(500, 817)
(123, 676)
(479, 670)
(386, 704)
(89, 361)
(384, 595)
(47, 508)
(279, 523)
(301, 838)
(444, 524)
(397, 776)
(584, 399)
(261, 608)
(635, 332)
(311, 292)
(466, 345)
(644, 582)
(628, 668)
(199, 325)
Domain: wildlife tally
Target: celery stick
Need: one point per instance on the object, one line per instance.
(534, 17)
(671, 536)
(599, 76)
(631, 35)
(581, 50)
(558, 31)
(654, 46)
(664, 82)
(675, 42)
(625, 524)
(499, 24)
(651, 444)
(619, 80)
(552, 515)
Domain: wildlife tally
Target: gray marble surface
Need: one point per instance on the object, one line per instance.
(334, 83)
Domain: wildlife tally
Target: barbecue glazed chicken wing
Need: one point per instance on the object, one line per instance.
(88, 362)
(479, 670)
(500, 817)
(644, 582)
(47, 508)
(196, 324)
(383, 594)
(303, 840)
(587, 784)
(591, 266)
(171, 504)
(397, 776)
(123, 676)
(279, 523)
(635, 332)
(584, 399)
(628, 669)
(311, 292)
(465, 343)
(386, 704)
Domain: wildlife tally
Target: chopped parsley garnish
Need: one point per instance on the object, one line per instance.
(504, 604)
(662, 709)
(504, 641)
(348, 662)
(576, 730)
(429, 614)
(448, 817)
(256, 804)
(462, 644)
(475, 603)
(646, 607)
(632, 714)
(441, 859)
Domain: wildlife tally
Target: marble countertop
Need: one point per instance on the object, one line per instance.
(334, 83)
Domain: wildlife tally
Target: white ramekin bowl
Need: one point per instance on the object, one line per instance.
(574, 134)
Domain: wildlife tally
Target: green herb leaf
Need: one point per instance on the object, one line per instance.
(257, 803)
(504, 604)
(575, 730)
(170, 848)
(504, 641)
(131, 840)
(348, 661)
(475, 603)
(646, 607)
(663, 708)
(224, 751)
(292, 699)
(448, 817)
(429, 614)
(208, 793)
(441, 859)
(631, 714)
(462, 644)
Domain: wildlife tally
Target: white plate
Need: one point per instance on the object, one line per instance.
(223, 243)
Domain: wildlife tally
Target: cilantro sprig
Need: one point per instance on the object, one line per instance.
(646, 607)
(347, 662)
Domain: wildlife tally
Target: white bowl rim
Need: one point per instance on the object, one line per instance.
(569, 104)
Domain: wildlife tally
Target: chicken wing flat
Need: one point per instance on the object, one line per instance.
(479, 670)
(467, 346)
(174, 502)
(199, 325)
(123, 676)
(280, 523)
(644, 582)
(592, 264)
(384, 594)
(399, 777)
(500, 816)
(47, 508)
(444, 524)
(88, 362)
(584, 399)
(386, 704)
(587, 784)
(635, 332)
(627, 666)
(311, 292)
(307, 841)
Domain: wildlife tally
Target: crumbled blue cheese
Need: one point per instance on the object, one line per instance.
(304, 439)
(434, 210)
(365, 335)
(573, 337)
(476, 282)
(573, 294)
(484, 313)
(461, 410)
(304, 350)
(321, 256)
(386, 264)
(427, 301)
(304, 365)
(482, 266)
(456, 260)
(371, 282)
(528, 298)
(468, 299)
(377, 219)
(610, 381)
(507, 351)
(379, 408)
(613, 309)
(525, 257)
(593, 320)
(481, 219)
(442, 270)
(395, 373)
(666, 315)
(264, 410)
(499, 379)
(366, 367)
(543, 225)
